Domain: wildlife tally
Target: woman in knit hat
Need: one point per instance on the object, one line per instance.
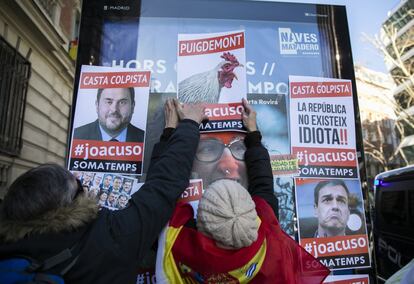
(237, 237)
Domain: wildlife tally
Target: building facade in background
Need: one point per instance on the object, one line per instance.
(36, 81)
(378, 121)
(398, 37)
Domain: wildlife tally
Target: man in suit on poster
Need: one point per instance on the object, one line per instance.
(115, 107)
(107, 183)
(116, 184)
(331, 205)
(127, 186)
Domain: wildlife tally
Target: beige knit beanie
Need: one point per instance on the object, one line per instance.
(227, 214)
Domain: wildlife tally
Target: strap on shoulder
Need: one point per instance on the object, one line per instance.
(59, 258)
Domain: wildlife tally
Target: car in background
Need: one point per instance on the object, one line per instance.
(393, 221)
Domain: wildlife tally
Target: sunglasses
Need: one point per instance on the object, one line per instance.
(210, 150)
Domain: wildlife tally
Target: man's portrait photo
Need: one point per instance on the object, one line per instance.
(127, 186)
(114, 108)
(87, 179)
(116, 184)
(112, 199)
(330, 208)
(107, 183)
(97, 181)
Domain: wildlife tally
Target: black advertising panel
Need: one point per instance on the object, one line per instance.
(283, 44)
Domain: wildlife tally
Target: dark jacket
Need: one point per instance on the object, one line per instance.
(259, 171)
(113, 242)
(91, 131)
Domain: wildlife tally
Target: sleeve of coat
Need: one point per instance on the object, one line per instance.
(259, 170)
(133, 230)
(160, 147)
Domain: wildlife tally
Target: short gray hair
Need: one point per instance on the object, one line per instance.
(39, 190)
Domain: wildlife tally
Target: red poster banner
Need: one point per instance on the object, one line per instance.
(211, 45)
(336, 246)
(320, 89)
(100, 80)
(106, 150)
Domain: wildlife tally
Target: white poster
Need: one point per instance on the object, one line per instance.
(211, 67)
(110, 120)
(323, 127)
(329, 200)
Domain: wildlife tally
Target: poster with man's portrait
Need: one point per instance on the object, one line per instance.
(332, 223)
(110, 120)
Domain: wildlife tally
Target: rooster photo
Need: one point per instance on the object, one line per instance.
(211, 67)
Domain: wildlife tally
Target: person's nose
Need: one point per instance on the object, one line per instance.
(228, 165)
(335, 205)
(114, 107)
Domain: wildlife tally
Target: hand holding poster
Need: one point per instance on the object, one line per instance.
(113, 142)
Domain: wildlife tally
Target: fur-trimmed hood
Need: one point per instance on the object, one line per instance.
(82, 211)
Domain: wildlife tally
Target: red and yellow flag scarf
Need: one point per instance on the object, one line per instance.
(187, 256)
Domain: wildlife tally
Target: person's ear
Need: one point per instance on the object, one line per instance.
(96, 105)
(132, 107)
(315, 210)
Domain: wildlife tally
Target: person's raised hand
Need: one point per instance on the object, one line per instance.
(249, 117)
(170, 113)
(195, 112)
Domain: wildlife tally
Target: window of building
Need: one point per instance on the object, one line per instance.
(51, 8)
(401, 17)
(403, 44)
(14, 79)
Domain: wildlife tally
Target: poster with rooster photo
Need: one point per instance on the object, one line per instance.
(211, 67)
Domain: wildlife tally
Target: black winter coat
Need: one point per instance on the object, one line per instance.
(259, 171)
(113, 242)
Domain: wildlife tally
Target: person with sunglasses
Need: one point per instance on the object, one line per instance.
(236, 237)
(45, 211)
(220, 155)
